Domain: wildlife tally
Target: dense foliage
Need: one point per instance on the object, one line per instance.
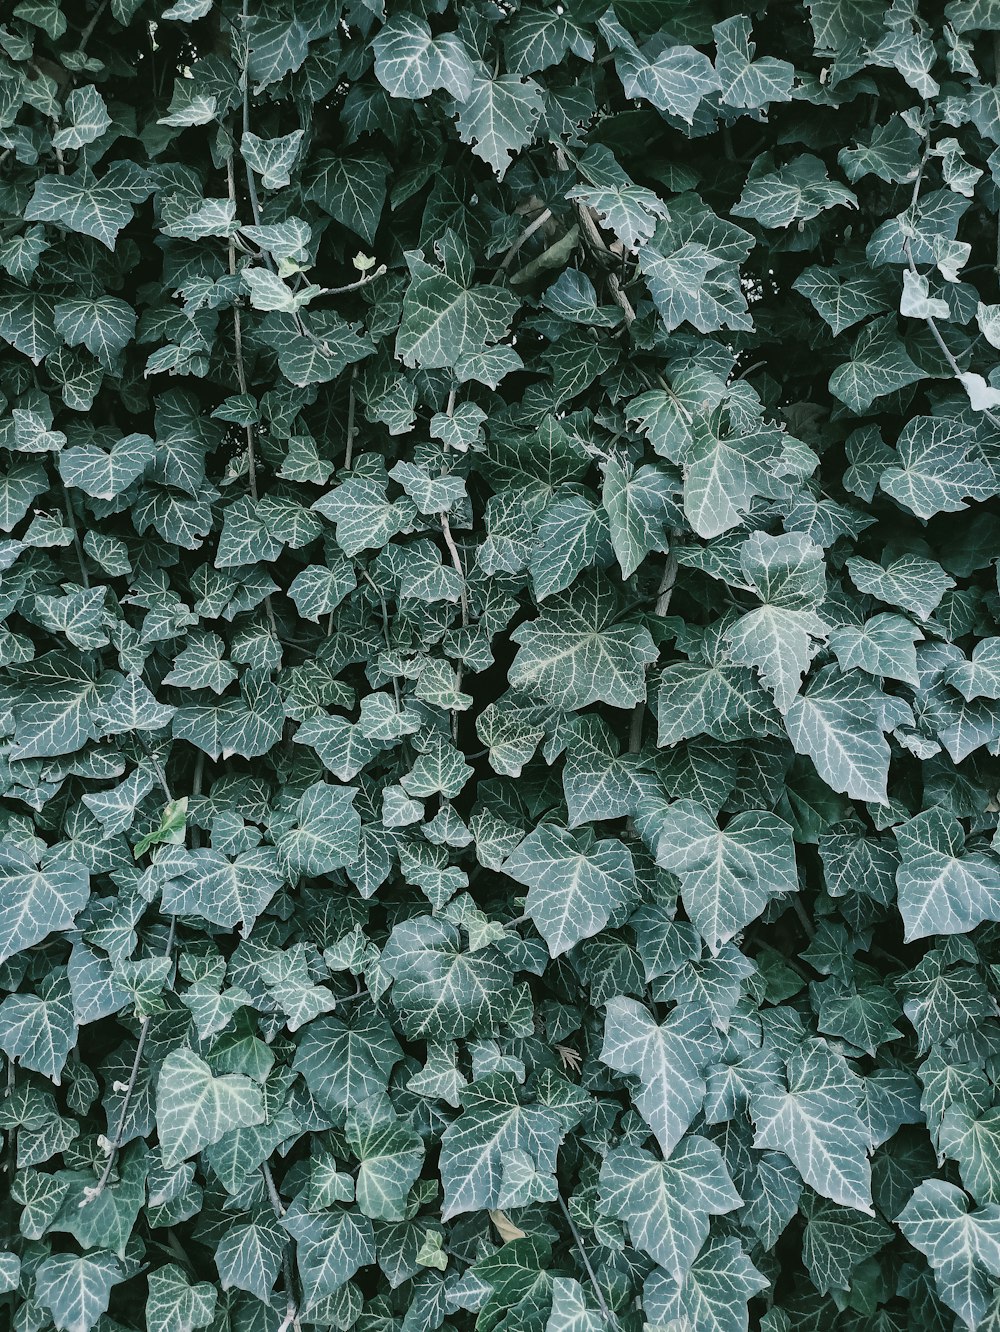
(500, 692)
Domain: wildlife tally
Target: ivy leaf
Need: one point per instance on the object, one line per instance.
(481, 1148)
(747, 82)
(941, 889)
(498, 116)
(194, 1107)
(87, 206)
(835, 724)
(640, 505)
(668, 1059)
(88, 119)
(961, 1245)
(815, 1121)
(575, 654)
(439, 988)
(574, 884)
(691, 266)
(667, 1204)
(390, 1157)
(346, 1064)
(936, 473)
(77, 1290)
(331, 1247)
(787, 574)
(106, 475)
(714, 1293)
(410, 63)
(350, 189)
(38, 1031)
(34, 902)
(728, 877)
(879, 365)
(174, 1303)
(447, 318)
(105, 326)
(326, 832)
(249, 1256)
(225, 892)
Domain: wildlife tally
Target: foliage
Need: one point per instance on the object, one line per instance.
(500, 665)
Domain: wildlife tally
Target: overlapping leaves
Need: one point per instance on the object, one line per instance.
(499, 671)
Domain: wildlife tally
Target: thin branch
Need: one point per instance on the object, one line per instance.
(77, 545)
(803, 918)
(456, 561)
(158, 768)
(526, 235)
(251, 183)
(291, 1310)
(591, 1274)
(241, 374)
(196, 783)
(349, 448)
(592, 232)
(115, 1144)
(89, 29)
(354, 286)
(385, 629)
(665, 591)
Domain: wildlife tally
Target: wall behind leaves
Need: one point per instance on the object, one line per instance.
(500, 665)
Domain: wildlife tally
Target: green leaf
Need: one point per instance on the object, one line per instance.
(225, 892)
(326, 831)
(691, 266)
(961, 1245)
(728, 877)
(350, 189)
(410, 63)
(834, 722)
(106, 475)
(640, 506)
(668, 1059)
(92, 208)
(176, 1304)
(271, 159)
(447, 318)
(713, 1294)
(493, 1138)
(935, 472)
(777, 638)
(38, 1031)
(346, 1064)
(34, 902)
(249, 1256)
(574, 883)
(105, 326)
(879, 365)
(815, 1120)
(570, 536)
(194, 1108)
(331, 1247)
(439, 988)
(797, 192)
(77, 1290)
(390, 1157)
(841, 296)
(667, 1204)
(747, 82)
(942, 890)
(498, 116)
(575, 654)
